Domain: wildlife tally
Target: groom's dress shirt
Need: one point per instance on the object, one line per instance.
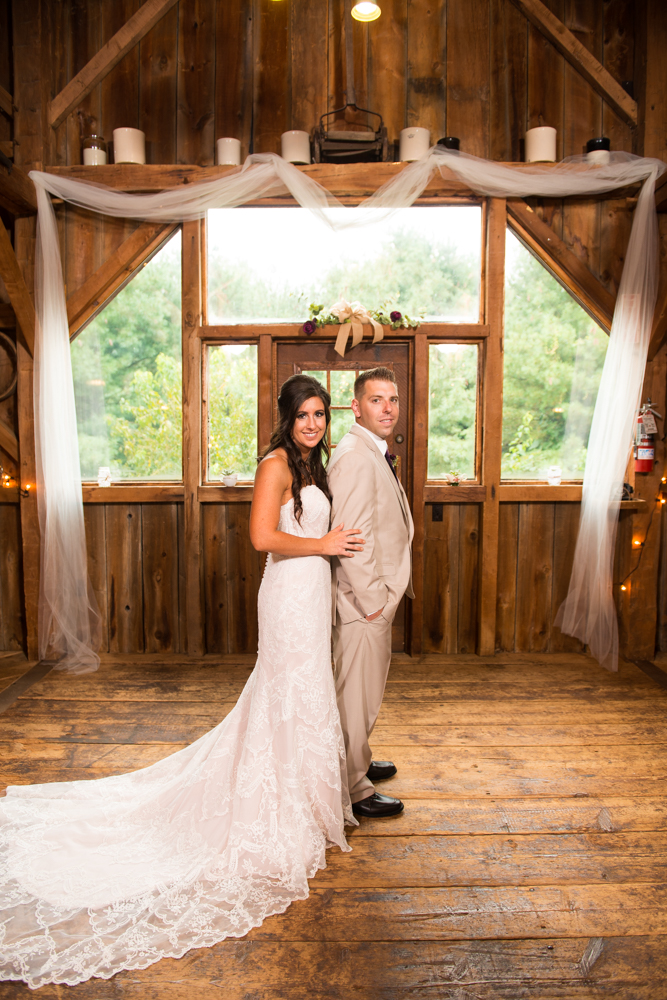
(367, 495)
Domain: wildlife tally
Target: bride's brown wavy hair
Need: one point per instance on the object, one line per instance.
(293, 394)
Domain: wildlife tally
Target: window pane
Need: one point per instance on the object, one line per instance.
(232, 410)
(554, 354)
(341, 421)
(452, 383)
(342, 388)
(270, 263)
(126, 366)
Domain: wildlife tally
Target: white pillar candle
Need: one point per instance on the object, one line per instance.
(94, 157)
(129, 145)
(295, 146)
(228, 152)
(541, 144)
(599, 156)
(414, 143)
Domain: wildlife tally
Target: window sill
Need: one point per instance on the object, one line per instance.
(226, 494)
(139, 493)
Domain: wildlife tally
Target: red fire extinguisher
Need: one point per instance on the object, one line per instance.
(645, 433)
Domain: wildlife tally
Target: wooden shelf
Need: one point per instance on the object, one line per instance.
(346, 181)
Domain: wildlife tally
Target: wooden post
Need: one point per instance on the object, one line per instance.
(264, 391)
(191, 307)
(32, 151)
(420, 460)
(492, 425)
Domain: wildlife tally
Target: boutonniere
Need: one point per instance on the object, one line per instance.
(394, 461)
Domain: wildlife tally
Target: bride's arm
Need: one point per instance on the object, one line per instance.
(272, 481)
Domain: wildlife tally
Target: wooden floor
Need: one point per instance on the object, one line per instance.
(529, 862)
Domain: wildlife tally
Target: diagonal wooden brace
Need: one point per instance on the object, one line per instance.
(19, 296)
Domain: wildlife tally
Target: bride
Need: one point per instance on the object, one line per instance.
(117, 873)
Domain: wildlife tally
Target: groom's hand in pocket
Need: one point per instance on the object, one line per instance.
(376, 614)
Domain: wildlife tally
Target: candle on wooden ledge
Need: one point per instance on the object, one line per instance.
(94, 151)
(414, 143)
(541, 144)
(129, 145)
(598, 150)
(228, 152)
(295, 146)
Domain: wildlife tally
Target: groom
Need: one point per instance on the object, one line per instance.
(368, 588)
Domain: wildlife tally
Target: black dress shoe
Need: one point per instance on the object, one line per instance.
(381, 769)
(377, 805)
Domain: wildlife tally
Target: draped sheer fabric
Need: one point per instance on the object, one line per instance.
(67, 616)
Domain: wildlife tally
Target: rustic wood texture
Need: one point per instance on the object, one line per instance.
(114, 272)
(17, 192)
(12, 623)
(192, 458)
(8, 440)
(19, 296)
(580, 58)
(108, 57)
(528, 858)
(491, 416)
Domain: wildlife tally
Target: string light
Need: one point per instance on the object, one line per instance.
(637, 542)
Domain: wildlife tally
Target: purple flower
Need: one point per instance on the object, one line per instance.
(395, 316)
(309, 327)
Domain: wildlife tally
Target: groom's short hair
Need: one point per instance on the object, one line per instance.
(381, 374)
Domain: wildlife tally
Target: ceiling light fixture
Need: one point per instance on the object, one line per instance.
(366, 11)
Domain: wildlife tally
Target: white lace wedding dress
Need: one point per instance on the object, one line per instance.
(99, 876)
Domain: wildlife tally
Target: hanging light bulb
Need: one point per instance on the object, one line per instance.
(366, 10)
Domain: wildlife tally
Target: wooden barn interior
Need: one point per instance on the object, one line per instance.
(528, 862)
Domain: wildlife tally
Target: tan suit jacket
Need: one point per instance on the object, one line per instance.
(367, 495)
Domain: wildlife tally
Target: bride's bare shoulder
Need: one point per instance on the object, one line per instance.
(273, 471)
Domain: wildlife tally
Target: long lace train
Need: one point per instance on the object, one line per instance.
(99, 876)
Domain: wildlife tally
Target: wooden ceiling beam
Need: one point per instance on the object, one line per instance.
(6, 102)
(8, 440)
(17, 192)
(115, 272)
(565, 265)
(578, 56)
(19, 296)
(105, 60)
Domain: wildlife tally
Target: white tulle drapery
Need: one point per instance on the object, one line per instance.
(67, 618)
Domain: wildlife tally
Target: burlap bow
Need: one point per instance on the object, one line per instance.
(352, 318)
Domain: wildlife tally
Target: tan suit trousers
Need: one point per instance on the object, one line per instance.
(362, 654)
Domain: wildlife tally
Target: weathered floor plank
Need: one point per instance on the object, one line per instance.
(625, 968)
(530, 862)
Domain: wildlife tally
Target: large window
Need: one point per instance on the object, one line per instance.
(127, 377)
(269, 264)
(452, 410)
(554, 354)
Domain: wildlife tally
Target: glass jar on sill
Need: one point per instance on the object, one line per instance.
(94, 151)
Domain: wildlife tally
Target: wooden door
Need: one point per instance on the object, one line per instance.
(321, 358)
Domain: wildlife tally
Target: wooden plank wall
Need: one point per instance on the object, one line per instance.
(135, 561)
(251, 69)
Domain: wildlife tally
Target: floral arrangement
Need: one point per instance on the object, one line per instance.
(394, 461)
(454, 478)
(349, 312)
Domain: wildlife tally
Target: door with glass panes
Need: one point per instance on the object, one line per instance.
(320, 360)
